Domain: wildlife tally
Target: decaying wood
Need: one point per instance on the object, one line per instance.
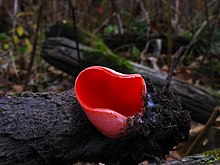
(61, 53)
(197, 159)
(51, 128)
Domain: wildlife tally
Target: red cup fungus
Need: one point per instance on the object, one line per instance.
(108, 98)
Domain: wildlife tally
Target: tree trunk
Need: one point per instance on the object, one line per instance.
(61, 52)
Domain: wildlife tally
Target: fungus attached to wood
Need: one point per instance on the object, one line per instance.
(108, 98)
(149, 129)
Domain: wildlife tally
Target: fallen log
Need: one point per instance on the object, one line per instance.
(61, 52)
(203, 158)
(51, 128)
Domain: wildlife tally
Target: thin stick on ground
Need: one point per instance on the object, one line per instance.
(33, 52)
(198, 139)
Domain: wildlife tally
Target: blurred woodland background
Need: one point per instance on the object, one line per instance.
(147, 32)
(144, 31)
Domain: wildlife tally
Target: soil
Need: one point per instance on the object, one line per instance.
(162, 126)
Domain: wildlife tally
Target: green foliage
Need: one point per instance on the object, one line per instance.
(215, 154)
(96, 57)
(135, 52)
(20, 39)
(94, 41)
(64, 29)
(97, 52)
(140, 27)
(3, 36)
(15, 94)
(110, 29)
(186, 34)
(203, 41)
(5, 41)
(20, 36)
(215, 45)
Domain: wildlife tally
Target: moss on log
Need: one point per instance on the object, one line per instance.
(61, 53)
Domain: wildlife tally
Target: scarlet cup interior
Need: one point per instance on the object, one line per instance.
(102, 88)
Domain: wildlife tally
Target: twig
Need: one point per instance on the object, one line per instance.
(118, 18)
(146, 16)
(196, 34)
(120, 25)
(198, 139)
(194, 38)
(143, 58)
(176, 59)
(2, 54)
(203, 25)
(75, 32)
(199, 15)
(33, 52)
(13, 34)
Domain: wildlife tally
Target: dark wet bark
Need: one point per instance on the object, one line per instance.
(198, 159)
(51, 128)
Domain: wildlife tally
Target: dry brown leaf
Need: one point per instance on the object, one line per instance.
(173, 155)
(54, 70)
(165, 69)
(185, 74)
(17, 88)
